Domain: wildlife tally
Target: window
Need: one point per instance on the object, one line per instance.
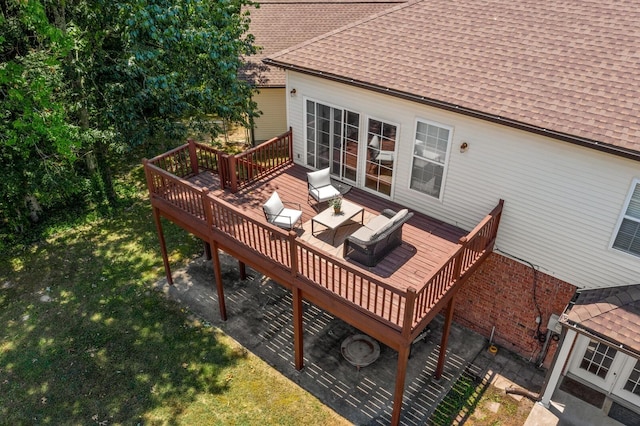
(633, 382)
(628, 234)
(597, 358)
(381, 151)
(429, 156)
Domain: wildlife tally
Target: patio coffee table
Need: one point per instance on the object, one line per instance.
(331, 220)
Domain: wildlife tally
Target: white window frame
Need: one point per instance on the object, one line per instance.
(445, 161)
(623, 215)
(608, 382)
(394, 169)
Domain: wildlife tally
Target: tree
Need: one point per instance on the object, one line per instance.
(38, 144)
(94, 79)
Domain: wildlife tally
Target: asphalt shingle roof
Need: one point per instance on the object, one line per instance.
(279, 24)
(611, 313)
(571, 67)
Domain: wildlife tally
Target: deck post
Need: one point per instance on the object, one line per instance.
(444, 341)
(163, 245)
(242, 267)
(232, 172)
(207, 250)
(401, 374)
(218, 273)
(298, 344)
(298, 325)
(403, 354)
(290, 140)
(207, 205)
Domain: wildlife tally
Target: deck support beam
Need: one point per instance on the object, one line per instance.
(163, 245)
(444, 341)
(298, 329)
(401, 374)
(219, 285)
(243, 270)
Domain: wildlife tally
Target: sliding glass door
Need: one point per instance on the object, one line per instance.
(332, 136)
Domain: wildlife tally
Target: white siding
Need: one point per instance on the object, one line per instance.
(273, 121)
(562, 201)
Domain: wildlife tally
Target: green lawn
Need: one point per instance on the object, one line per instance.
(84, 340)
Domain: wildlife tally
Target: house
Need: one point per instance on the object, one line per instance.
(447, 107)
(279, 24)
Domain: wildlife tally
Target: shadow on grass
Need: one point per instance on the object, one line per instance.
(84, 340)
(460, 402)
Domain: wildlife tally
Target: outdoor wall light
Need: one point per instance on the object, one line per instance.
(464, 146)
(293, 92)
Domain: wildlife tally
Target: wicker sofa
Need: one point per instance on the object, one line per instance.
(369, 244)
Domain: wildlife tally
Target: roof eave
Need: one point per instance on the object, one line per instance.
(585, 142)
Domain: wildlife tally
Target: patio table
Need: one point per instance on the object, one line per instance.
(331, 220)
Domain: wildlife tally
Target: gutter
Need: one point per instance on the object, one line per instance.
(585, 142)
(592, 335)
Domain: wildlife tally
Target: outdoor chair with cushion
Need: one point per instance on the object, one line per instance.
(378, 153)
(371, 243)
(320, 188)
(277, 214)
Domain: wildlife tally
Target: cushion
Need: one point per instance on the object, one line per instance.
(287, 218)
(383, 229)
(377, 222)
(385, 156)
(319, 178)
(375, 142)
(324, 193)
(363, 234)
(399, 216)
(273, 206)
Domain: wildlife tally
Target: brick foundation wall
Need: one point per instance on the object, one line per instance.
(500, 294)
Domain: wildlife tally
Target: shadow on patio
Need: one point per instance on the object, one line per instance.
(260, 319)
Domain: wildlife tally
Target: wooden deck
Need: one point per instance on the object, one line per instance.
(393, 302)
(427, 242)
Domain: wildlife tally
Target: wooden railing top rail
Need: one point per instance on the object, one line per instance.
(169, 153)
(263, 145)
(475, 231)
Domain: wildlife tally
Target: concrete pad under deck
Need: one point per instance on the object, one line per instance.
(260, 318)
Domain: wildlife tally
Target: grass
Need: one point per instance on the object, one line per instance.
(475, 402)
(85, 341)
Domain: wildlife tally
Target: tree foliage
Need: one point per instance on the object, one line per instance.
(83, 82)
(38, 144)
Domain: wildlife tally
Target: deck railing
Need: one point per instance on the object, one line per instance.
(235, 171)
(177, 162)
(402, 310)
(361, 289)
(302, 260)
(175, 191)
(242, 169)
(257, 235)
(478, 243)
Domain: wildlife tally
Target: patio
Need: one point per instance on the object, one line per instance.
(260, 319)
